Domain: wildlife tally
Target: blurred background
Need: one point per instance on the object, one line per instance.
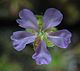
(62, 59)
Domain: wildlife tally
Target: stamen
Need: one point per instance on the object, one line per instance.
(36, 42)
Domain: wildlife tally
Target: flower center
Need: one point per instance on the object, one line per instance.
(41, 34)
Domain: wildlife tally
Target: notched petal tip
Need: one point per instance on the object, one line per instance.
(21, 38)
(28, 18)
(27, 24)
(52, 18)
(23, 12)
(61, 38)
(41, 54)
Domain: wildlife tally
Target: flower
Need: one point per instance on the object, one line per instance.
(39, 32)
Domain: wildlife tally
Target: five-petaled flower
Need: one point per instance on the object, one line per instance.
(39, 35)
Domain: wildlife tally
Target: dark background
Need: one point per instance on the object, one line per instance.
(62, 59)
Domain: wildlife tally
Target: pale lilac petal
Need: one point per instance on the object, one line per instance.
(52, 17)
(28, 19)
(60, 38)
(41, 54)
(26, 24)
(21, 38)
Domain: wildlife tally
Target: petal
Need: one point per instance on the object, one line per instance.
(41, 54)
(52, 17)
(29, 18)
(21, 38)
(61, 38)
(26, 24)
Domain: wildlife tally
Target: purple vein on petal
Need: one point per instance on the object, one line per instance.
(41, 54)
(52, 18)
(21, 38)
(61, 38)
(27, 18)
(26, 24)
